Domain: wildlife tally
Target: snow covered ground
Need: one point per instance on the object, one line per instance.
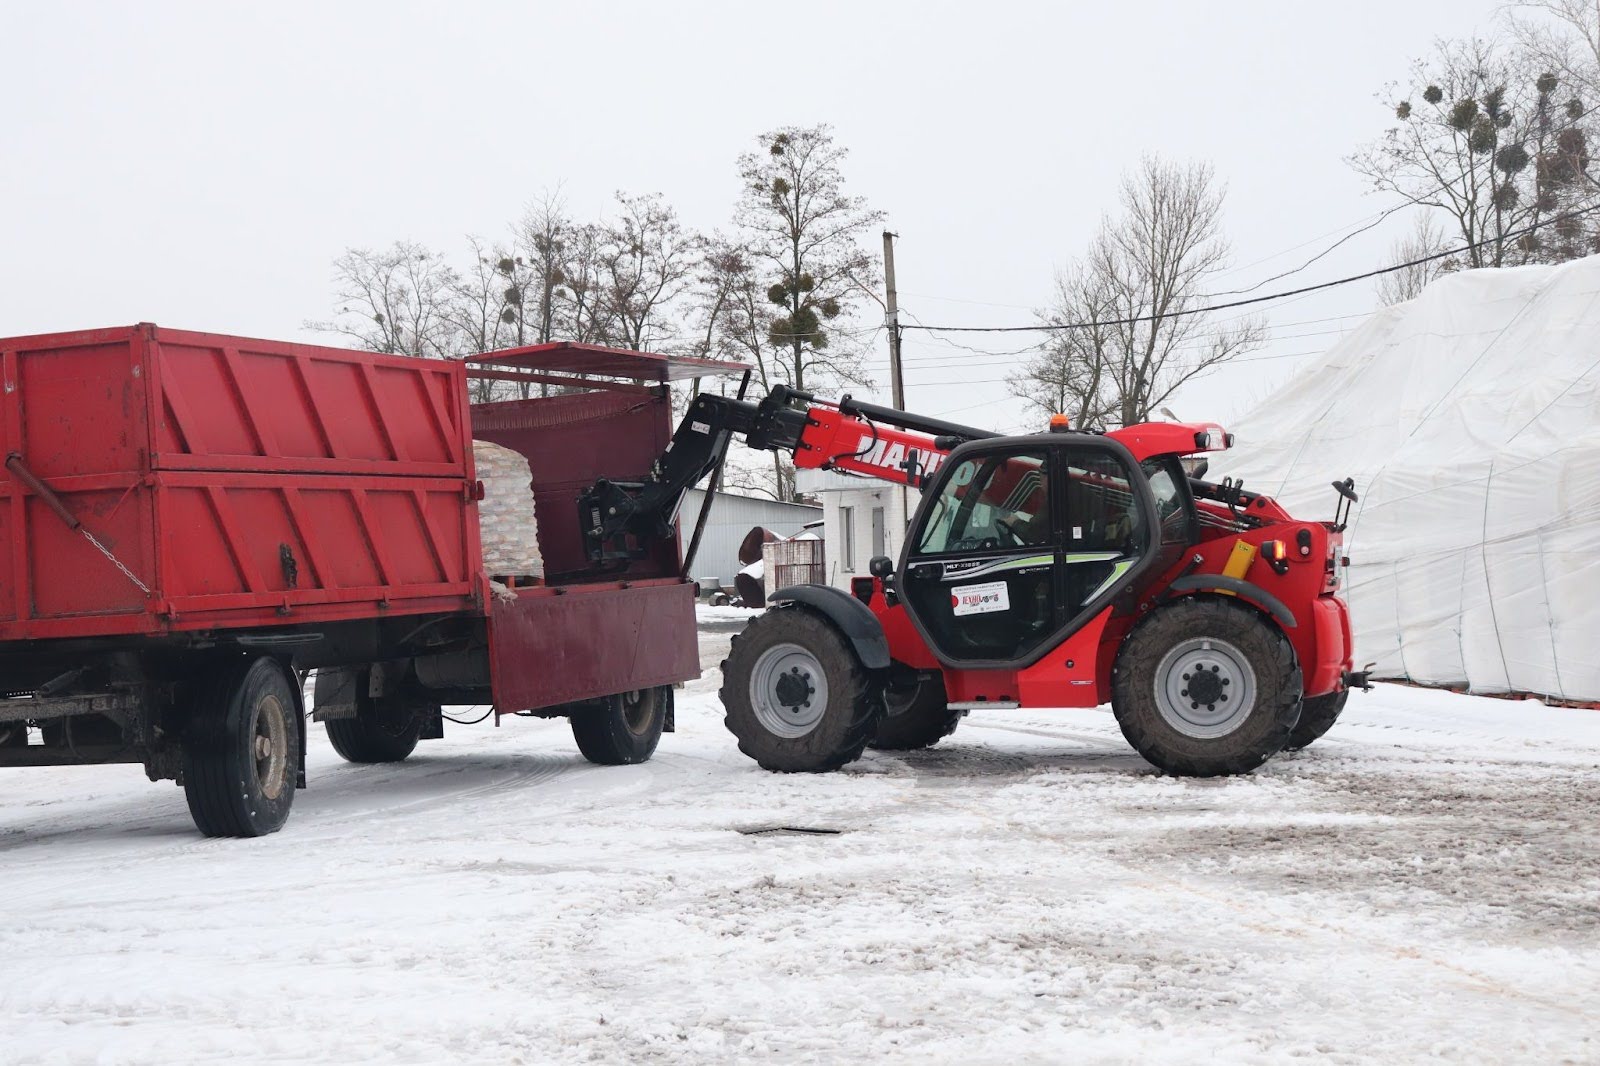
(1423, 884)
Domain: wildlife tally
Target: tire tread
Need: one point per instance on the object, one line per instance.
(1136, 662)
(860, 688)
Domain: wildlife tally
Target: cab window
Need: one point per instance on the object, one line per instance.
(989, 503)
(1172, 503)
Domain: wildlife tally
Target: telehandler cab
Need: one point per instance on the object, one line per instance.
(1060, 569)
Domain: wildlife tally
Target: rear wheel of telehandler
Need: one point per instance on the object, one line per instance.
(796, 694)
(384, 730)
(1317, 715)
(241, 760)
(915, 716)
(623, 729)
(1204, 687)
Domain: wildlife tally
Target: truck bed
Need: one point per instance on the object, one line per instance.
(245, 482)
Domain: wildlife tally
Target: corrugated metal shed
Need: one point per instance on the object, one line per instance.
(731, 518)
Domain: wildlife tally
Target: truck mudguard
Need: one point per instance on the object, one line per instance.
(858, 624)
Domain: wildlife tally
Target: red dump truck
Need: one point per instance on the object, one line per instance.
(193, 522)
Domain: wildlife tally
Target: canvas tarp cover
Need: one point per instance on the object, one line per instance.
(1470, 420)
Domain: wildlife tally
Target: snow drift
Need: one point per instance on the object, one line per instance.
(1470, 420)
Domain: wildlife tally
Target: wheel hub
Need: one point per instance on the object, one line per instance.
(794, 688)
(1205, 688)
(270, 746)
(638, 708)
(788, 690)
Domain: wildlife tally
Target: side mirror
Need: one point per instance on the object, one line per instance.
(880, 567)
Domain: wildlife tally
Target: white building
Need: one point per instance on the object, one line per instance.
(862, 517)
(732, 517)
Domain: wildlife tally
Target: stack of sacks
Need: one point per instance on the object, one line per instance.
(506, 522)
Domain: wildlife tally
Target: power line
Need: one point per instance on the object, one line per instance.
(1337, 282)
(1380, 216)
(1365, 223)
(940, 359)
(1174, 366)
(1320, 255)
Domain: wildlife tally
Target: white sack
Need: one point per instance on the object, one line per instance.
(506, 522)
(1470, 419)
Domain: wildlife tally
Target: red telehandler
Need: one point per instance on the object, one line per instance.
(1061, 569)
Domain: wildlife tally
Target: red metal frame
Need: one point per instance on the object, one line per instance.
(199, 460)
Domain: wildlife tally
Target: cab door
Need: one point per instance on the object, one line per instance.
(1021, 542)
(979, 576)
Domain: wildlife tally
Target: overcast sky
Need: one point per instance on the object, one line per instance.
(200, 165)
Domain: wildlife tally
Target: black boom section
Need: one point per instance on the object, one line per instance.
(620, 518)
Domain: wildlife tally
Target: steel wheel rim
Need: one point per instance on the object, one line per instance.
(638, 708)
(1205, 688)
(269, 746)
(788, 691)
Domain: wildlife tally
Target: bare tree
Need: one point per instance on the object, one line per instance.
(583, 313)
(733, 325)
(394, 300)
(805, 233)
(479, 311)
(1070, 374)
(542, 239)
(1563, 36)
(1493, 140)
(1130, 333)
(1407, 283)
(647, 263)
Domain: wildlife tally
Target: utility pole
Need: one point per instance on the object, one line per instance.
(897, 385)
(891, 319)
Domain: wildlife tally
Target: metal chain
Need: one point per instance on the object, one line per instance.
(114, 560)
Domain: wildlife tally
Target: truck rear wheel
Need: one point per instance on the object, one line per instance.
(915, 716)
(1317, 715)
(623, 729)
(241, 762)
(385, 730)
(796, 695)
(1204, 688)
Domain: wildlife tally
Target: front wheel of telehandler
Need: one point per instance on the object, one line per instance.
(796, 694)
(1204, 687)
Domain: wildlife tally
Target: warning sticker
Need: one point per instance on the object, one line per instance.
(980, 599)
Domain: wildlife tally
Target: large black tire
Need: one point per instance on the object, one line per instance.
(1317, 715)
(241, 758)
(384, 730)
(796, 694)
(1177, 681)
(623, 729)
(915, 717)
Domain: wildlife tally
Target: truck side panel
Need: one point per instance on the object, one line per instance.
(550, 646)
(245, 482)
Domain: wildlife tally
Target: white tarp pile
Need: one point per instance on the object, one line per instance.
(1470, 420)
(506, 522)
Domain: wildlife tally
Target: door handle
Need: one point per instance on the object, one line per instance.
(925, 570)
